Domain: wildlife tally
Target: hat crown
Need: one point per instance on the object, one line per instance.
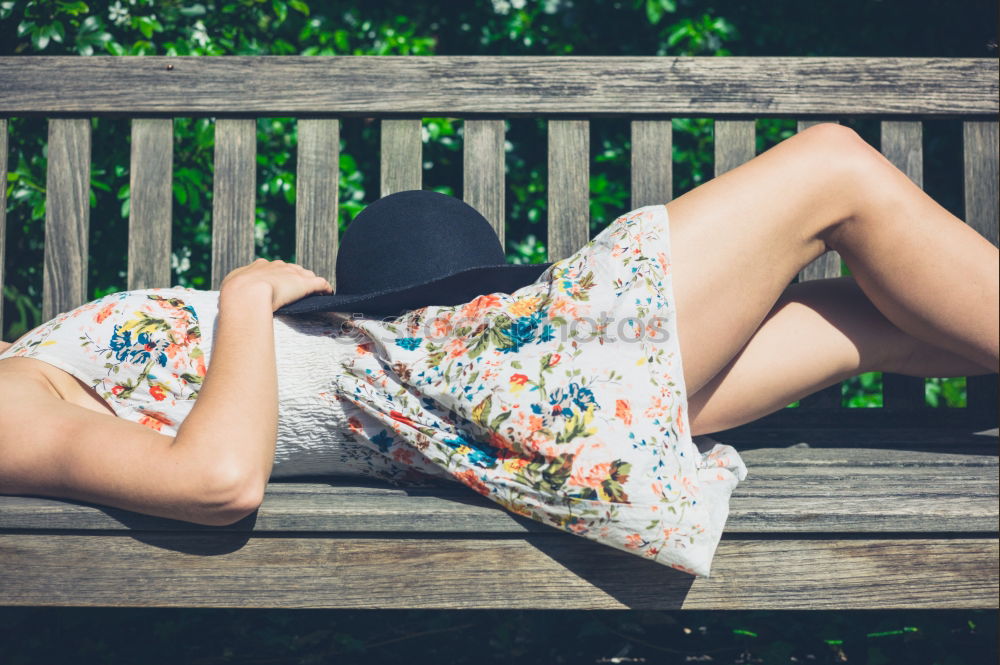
(411, 237)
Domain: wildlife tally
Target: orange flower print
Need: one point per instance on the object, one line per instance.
(593, 477)
(456, 347)
(151, 423)
(117, 390)
(401, 454)
(524, 306)
(396, 415)
(354, 425)
(554, 359)
(680, 418)
(517, 382)
(105, 312)
(157, 392)
(481, 303)
(664, 264)
(497, 440)
(633, 541)
(623, 410)
(200, 366)
(469, 478)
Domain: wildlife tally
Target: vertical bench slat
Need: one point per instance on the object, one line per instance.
(234, 195)
(67, 216)
(902, 144)
(652, 162)
(402, 152)
(483, 160)
(981, 148)
(317, 185)
(569, 187)
(3, 210)
(827, 265)
(734, 144)
(824, 266)
(150, 197)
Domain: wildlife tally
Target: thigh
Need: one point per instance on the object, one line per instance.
(739, 240)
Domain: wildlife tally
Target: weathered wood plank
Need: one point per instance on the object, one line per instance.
(506, 85)
(150, 201)
(555, 571)
(569, 187)
(317, 202)
(652, 162)
(234, 196)
(788, 490)
(3, 211)
(67, 216)
(401, 156)
(982, 145)
(483, 160)
(734, 144)
(902, 144)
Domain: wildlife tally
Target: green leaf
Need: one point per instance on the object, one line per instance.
(300, 7)
(196, 9)
(280, 10)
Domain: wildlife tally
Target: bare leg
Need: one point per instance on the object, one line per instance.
(818, 333)
(930, 273)
(739, 240)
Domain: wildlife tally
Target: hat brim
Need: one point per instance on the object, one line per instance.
(453, 289)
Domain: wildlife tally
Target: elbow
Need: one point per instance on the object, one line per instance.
(230, 496)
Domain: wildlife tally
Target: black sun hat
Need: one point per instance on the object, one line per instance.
(416, 248)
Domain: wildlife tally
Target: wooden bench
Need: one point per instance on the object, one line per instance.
(892, 507)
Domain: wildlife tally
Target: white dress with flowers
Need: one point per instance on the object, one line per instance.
(563, 401)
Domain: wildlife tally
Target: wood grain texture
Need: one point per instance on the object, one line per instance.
(569, 187)
(797, 488)
(150, 202)
(317, 210)
(981, 139)
(401, 156)
(67, 216)
(483, 177)
(734, 144)
(652, 162)
(553, 571)
(902, 144)
(234, 196)
(509, 85)
(3, 211)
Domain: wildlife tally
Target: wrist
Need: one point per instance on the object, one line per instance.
(247, 294)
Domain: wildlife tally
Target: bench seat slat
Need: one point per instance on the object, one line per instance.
(930, 488)
(150, 201)
(556, 571)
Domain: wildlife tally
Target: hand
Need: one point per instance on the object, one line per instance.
(287, 282)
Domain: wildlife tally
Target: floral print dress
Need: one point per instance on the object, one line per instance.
(563, 401)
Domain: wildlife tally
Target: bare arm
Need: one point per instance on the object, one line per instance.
(234, 421)
(214, 471)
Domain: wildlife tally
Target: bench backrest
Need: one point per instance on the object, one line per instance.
(400, 90)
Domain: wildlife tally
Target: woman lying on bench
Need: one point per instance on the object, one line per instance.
(567, 392)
